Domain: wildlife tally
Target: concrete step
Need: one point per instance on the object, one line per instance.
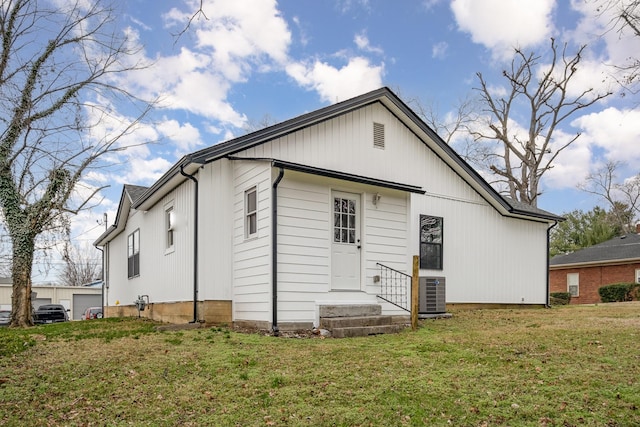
(331, 323)
(349, 310)
(363, 331)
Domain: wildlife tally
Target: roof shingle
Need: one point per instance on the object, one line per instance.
(619, 248)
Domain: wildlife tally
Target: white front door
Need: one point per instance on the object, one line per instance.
(345, 246)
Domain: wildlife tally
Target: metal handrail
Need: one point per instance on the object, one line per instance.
(394, 287)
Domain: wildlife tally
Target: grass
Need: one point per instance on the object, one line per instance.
(565, 366)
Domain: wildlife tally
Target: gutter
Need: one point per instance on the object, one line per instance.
(548, 303)
(195, 244)
(274, 252)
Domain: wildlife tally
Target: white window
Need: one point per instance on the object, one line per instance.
(133, 254)
(169, 223)
(573, 284)
(251, 212)
(638, 275)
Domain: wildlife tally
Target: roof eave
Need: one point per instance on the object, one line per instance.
(167, 182)
(594, 263)
(459, 165)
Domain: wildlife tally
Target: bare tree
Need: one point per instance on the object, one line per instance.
(59, 70)
(264, 122)
(455, 127)
(451, 124)
(625, 20)
(542, 92)
(82, 265)
(623, 198)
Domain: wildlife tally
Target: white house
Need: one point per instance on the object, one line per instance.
(328, 208)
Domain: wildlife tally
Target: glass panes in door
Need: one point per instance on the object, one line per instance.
(344, 220)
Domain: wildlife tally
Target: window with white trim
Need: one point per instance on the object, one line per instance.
(169, 223)
(133, 254)
(431, 236)
(637, 275)
(573, 284)
(251, 212)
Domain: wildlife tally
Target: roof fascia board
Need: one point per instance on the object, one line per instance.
(336, 174)
(414, 123)
(397, 107)
(603, 263)
(170, 180)
(394, 104)
(118, 224)
(289, 126)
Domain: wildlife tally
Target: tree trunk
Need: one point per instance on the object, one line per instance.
(21, 310)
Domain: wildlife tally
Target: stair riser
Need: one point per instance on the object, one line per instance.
(350, 322)
(350, 310)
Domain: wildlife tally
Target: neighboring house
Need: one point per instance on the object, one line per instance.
(583, 272)
(323, 209)
(75, 298)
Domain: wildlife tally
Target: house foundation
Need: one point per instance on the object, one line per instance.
(210, 312)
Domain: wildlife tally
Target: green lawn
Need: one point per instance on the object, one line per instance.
(566, 366)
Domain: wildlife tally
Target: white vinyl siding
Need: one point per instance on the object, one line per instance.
(304, 242)
(165, 277)
(487, 257)
(252, 257)
(484, 258)
(216, 231)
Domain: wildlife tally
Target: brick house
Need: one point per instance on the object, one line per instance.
(583, 272)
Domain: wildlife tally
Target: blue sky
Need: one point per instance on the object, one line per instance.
(251, 59)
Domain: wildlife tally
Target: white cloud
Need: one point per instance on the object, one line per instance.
(439, 50)
(572, 165)
(430, 4)
(232, 41)
(616, 131)
(337, 84)
(144, 171)
(238, 33)
(186, 137)
(362, 41)
(501, 25)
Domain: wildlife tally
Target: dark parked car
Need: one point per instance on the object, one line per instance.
(50, 313)
(92, 313)
(5, 317)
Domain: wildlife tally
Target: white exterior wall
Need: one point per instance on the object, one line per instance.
(165, 275)
(252, 256)
(484, 258)
(305, 217)
(216, 232)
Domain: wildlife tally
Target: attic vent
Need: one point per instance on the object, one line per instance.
(378, 135)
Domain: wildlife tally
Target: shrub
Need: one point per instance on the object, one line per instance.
(618, 292)
(560, 298)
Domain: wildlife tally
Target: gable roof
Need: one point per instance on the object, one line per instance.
(619, 249)
(189, 164)
(130, 193)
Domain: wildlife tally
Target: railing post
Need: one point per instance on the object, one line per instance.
(415, 278)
